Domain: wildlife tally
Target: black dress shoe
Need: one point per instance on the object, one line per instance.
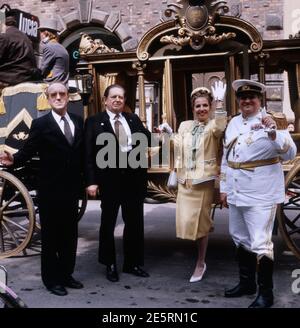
(72, 283)
(136, 270)
(58, 290)
(112, 273)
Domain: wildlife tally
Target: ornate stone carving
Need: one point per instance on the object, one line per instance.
(85, 10)
(89, 46)
(196, 8)
(196, 21)
(236, 10)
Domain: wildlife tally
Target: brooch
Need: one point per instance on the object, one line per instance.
(249, 140)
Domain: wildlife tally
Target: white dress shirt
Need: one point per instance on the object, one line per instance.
(126, 128)
(61, 123)
(265, 184)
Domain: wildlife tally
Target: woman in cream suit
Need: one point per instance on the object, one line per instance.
(196, 150)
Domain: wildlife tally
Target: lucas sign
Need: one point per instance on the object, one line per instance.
(26, 22)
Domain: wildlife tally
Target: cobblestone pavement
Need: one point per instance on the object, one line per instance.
(169, 261)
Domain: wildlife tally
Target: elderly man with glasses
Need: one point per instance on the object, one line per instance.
(252, 184)
(57, 138)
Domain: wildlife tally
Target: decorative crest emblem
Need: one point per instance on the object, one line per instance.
(196, 19)
(245, 87)
(20, 136)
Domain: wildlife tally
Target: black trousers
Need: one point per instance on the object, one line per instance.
(133, 235)
(59, 233)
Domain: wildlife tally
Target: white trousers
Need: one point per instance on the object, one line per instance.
(252, 226)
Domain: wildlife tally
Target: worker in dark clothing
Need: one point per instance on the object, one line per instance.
(17, 60)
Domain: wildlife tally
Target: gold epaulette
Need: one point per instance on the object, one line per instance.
(280, 120)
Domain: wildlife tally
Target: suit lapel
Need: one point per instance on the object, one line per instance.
(55, 128)
(105, 123)
(77, 131)
(130, 122)
(57, 131)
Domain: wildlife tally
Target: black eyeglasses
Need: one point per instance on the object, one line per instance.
(55, 94)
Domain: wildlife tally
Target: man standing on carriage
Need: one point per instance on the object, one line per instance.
(17, 60)
(252, 184)
(55, 57)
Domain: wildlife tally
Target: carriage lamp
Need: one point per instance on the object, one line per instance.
(84, 83)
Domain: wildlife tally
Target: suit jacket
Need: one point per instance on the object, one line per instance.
(60, 173)
(55, 62)
(113, 180)
(17, 60)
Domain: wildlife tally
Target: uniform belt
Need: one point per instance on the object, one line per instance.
(253, 164)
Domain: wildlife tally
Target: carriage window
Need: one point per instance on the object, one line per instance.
(153, 118)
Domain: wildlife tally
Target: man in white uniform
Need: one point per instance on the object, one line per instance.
(252, 184)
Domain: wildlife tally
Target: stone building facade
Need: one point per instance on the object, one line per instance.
(127, 21)
(131, 19)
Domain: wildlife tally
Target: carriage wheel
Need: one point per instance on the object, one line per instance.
(17, 216)
(288, 214)
(82, 205)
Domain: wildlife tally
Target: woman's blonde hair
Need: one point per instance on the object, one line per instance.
(51, 35)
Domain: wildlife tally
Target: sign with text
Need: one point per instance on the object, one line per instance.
(26, 22)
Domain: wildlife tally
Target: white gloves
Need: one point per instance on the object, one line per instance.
(165, 127)
(218, 90)
(263, 112)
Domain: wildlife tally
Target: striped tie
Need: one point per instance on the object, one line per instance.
(120, 131)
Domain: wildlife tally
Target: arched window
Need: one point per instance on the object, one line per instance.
(71, 42)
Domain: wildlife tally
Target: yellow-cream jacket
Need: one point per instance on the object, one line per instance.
(201, 164)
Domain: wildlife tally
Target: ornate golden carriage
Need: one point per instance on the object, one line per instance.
(200, 44)
(197, 45)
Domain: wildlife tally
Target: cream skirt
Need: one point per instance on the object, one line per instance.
(193, 209)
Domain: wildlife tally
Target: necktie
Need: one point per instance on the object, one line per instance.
(120, 131)
(67, 131)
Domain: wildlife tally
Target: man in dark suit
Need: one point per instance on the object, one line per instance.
(58, 140)
(17, 60)
(118, 186)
